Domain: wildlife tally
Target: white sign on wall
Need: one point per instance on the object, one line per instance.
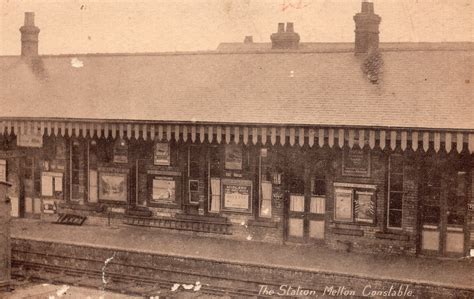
(29, 140)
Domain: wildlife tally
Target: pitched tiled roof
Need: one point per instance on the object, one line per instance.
(419, 88)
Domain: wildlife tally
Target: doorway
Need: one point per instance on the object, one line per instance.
(306, 206)
(443, 194)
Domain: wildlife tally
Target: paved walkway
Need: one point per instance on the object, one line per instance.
(451, 273)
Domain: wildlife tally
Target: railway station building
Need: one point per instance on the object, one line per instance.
(364, 146)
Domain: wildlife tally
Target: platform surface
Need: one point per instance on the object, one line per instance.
(441, 272)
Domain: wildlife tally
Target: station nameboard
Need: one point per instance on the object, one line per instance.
(29, 140)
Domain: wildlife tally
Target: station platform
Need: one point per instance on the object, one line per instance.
(352, 268)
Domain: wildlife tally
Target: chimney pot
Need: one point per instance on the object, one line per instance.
(29, 19)
(248, 39)
(281, 27)
(367, 7)
(285, 39)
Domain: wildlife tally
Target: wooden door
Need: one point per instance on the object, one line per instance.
(306, 210)
(443, 211)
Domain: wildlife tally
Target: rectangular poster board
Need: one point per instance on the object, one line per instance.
(356, 162)
(161, 154)
(163, 190)
(113, 187)
(233, 157)
(237, 195)
(343, 204)
(29, 140)
(364, 207)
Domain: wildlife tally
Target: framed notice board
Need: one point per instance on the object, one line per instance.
(237, 195)
(343, 201)
(356, 162)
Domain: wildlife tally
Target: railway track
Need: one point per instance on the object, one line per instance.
(148, 274)
(117, 275)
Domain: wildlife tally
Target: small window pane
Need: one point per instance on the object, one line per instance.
(297, 186)
(75, 177)
(431, 215)
(297, 203)
(319, 187)
(396, 182)
(455, 218)
(317, 205)
(461, 189)
(395, 218)
(396, 201)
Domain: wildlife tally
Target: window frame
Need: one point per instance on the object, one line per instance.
(390, 191)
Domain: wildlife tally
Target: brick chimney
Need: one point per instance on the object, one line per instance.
(366, 29)
(29, 36)
(285, 39)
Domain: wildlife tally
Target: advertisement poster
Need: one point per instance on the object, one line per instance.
(113, 186)
(162, 154)
(343, 209)
(364, 207)
(233, 157)
(164, 189)
(237, 195)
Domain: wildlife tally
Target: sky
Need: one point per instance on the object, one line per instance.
(115, 26)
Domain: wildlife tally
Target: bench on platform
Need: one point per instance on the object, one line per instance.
(204, 224)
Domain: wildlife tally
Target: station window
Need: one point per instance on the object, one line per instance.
(395, 191)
